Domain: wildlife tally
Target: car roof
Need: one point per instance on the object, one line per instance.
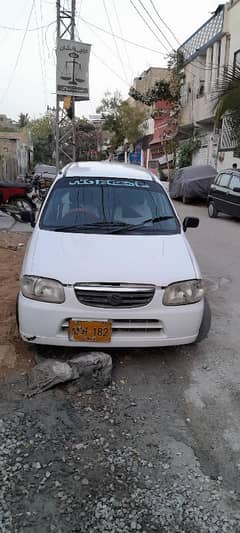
(105, 169)
(237, 170)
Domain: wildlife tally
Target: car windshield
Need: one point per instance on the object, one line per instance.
(109, 205)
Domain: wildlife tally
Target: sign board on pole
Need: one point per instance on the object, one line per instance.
(72, 69)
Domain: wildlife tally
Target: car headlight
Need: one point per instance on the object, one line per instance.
(42, 289)
(184, 293)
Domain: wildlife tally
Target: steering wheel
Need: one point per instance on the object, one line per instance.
(81, 210)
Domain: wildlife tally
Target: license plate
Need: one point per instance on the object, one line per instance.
(86, 331)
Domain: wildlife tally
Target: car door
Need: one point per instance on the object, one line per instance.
(234, 196)
(219, 192)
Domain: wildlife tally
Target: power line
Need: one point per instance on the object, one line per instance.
(149, 27)
(106, 65)
(19, 53)
(115, 41)
(164, 23)
(138, 45)
(110, 68)
(42, 62)
(124, 42)
(155, 23)
(11, 28)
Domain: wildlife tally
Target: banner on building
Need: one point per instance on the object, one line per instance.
(73, 69)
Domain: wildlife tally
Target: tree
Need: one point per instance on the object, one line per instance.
(227, 93)
(42, 133)
(121, 119)
(23, 120)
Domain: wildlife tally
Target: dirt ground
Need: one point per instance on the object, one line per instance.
(158, 451)
(14, 354)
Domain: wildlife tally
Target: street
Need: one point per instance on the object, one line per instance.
(157, 451)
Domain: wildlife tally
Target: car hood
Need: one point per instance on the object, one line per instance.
(75, 257)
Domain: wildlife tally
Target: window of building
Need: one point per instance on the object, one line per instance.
(236, 62)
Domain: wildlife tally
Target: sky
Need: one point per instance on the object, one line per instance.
(27, 58)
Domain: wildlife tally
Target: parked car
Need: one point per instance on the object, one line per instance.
(224, 195)
(109, 265)
(192, 183)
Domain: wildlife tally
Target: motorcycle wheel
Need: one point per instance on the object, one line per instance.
(20, 204)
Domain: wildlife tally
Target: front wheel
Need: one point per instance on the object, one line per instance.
(212, 211)
(19, 205)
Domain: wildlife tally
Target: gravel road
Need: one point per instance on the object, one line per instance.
(158, 451)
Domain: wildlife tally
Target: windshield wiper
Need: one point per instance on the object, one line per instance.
(130, 227)
(93, 225)
(112, 227)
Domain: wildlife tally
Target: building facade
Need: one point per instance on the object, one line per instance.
(207, 53)
(16, 154)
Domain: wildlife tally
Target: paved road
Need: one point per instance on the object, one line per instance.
(157, 452)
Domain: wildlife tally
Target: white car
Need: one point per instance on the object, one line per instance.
(108, 264)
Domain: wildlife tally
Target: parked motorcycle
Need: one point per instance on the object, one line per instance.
(15, 199)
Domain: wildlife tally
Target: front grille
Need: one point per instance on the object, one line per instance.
(129, 328)
(118, 297)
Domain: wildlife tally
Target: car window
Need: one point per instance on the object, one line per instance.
(235, 182)
(108, 203)
(223, 180)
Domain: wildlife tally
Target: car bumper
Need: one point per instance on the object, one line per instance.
(152, 325)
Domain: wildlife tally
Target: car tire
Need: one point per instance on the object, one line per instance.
(212, 211)
(206, 322)
(17, 312)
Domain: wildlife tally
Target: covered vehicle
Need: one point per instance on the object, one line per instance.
(192, 183)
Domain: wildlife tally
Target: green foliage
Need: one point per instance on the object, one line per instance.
(23, 120)
(122, 120)
(42, 132)
(227, 94)
(160, 91)
(185, 152)
(168, 90)
(175, 67)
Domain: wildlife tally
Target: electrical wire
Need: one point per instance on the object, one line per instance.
(149, 27)
(19, 54)
(138, 45)
(106, 65)
(42, 65)
(124, 42)
(155, 24)
(115, 41)
(110, 68)
(10, 28)
(109, 48)
(164, 23)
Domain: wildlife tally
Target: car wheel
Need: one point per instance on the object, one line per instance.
(212, 211)
(206, 322)
(17, 312)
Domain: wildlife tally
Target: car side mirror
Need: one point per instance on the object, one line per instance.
(236, 189)
(190, 222)
(28, 217)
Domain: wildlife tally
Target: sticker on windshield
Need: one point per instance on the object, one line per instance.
(110, 182)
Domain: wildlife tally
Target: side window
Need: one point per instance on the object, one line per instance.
(223, 180)
(235, 182)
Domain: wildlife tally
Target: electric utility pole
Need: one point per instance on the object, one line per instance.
(65, 105)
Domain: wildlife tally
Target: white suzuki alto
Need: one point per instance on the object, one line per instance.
(108, 264)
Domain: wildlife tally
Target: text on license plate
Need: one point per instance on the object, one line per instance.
(90, 331)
